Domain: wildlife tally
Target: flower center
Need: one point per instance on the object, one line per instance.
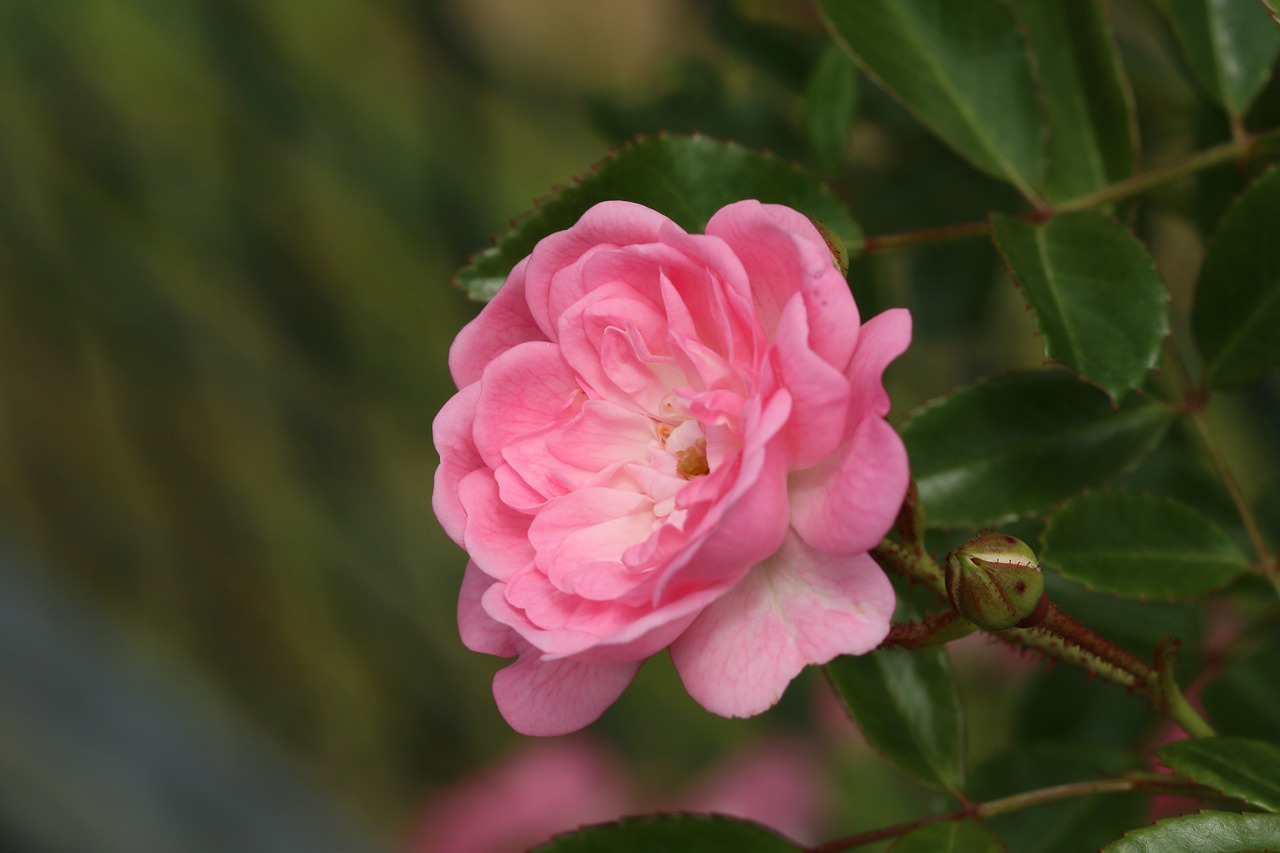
(692, 461)
(683, 449)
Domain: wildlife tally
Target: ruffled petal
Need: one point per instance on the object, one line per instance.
(478, 630)
(496, 536)
(608, 225)
(526, 388)
(783, 254)
(797, 608)
(504, 323)
(819, 392)
(848, 503)
(883, 338)
(451, 432)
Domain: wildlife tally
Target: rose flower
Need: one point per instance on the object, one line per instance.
(670, 440)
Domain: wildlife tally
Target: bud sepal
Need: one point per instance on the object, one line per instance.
(995, 582)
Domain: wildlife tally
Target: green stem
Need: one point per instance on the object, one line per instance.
(1252, 529)
(1176, 704)
(1193, 407)
(1238, 148)
(1017, 802)
(1198, 162)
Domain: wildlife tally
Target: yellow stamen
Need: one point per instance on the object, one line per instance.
(693, 460)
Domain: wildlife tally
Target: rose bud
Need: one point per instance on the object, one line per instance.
(665, 441)
(994, 581)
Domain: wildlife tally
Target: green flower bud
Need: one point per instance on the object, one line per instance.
(994, 581)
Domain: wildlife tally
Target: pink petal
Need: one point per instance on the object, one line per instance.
(501, 325)
(451, 432)
(799, 607)
(526, 388)
(590, 525)
(607, 225)
(783, 254)
(557, 697)
(595, 338)
(496, 536)
(479, 631)
(728, 520)
(602, 435)
(882, 339)
(819, 392)
(848, 503)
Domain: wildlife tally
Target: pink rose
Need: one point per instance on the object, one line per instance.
(670, 440)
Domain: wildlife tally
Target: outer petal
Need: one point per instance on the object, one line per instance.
(847, 504)
(451, 432)
(882, 339)
(798, 607)
(479, 631)
(496, 536)
(557, 697)
(783, 254)
(819, 392)
(502, 324)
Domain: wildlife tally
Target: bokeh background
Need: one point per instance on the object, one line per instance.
(227, 231)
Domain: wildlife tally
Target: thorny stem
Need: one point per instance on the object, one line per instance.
(933, 630)
(914, 565)
(1017, 802)
(1241, 145)
(1059, 636)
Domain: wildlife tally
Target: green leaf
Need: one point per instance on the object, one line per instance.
(1206, 832)
(830, 100)
(1246, 769)
(1237, 303)
(688, 833)
(1139, 626)
(1065, 704)
(1092, 124)
(1246, 700)
(1066, 826)
(908, 706)
(963, 836)
(1230, 45)
(687, 178)
(1016, 445)
(1273, 6)
(1140, 546)
(1097, 297)
(964, 69)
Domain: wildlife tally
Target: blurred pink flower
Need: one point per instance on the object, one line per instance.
(545, 788)
(551, 787)
(665, 440)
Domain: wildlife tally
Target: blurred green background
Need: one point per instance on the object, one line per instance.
(227, 229)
